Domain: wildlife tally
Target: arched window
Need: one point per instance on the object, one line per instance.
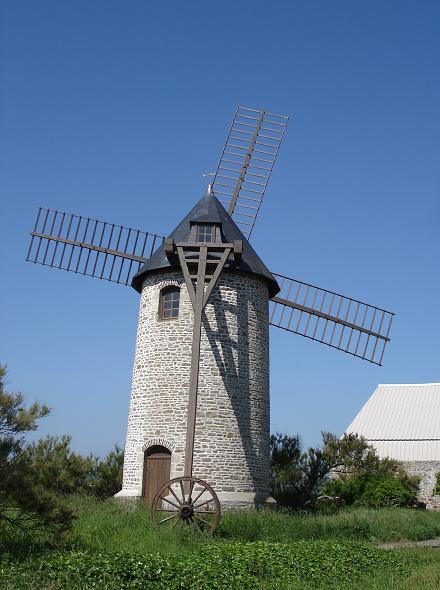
(169, 303)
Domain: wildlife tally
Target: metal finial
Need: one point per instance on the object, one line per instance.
(210, 190)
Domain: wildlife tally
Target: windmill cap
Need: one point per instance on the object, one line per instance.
(209, 210)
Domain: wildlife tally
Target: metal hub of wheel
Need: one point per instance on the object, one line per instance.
(186, 511)
(186, 501)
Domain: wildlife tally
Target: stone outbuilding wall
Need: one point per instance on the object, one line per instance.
(427, 471)
(232, 440)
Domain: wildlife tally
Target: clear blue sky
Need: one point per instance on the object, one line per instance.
(114, 109)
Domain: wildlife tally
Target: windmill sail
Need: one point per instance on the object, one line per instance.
(338, 321)
(89, 246)
(246, 163)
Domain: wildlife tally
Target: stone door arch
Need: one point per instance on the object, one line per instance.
(157, 470)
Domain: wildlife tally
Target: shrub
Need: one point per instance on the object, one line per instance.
(291, 484)
(436, 491)
(63, 471)
(60, 469)
(299, 476)
(380, 492)
(107, 474)
(375, 491)
(350, 489)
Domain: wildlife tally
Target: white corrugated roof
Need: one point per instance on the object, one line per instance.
(408, 450)
(402, 421)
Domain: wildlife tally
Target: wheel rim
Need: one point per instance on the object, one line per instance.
(186, 502)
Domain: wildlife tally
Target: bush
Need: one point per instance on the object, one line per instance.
(298, 476)
(350, 489)
(374, 491)
(107, 474)
(63, 471)
(381, 492)
(436, 491)
(222, 566)
(60, 469)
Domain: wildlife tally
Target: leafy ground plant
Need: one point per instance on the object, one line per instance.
(221, 566)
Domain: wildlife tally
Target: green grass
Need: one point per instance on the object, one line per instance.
(103, 529)
(106, 526)
(359, 524)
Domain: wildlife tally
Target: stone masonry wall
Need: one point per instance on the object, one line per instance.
(232, 442)
(427, 471)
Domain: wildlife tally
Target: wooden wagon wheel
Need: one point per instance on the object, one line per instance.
(186, 501)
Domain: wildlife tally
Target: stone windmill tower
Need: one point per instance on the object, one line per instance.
(200, 394)
(231, 448)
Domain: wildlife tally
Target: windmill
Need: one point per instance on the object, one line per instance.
(200, 390)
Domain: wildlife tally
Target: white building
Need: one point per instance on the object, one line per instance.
(403, 422)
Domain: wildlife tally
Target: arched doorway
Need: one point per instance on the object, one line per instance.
(157, 470)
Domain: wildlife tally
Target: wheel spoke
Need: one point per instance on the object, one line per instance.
(166, 510)
(202, 520)
(204, 512)
(168, 518)
(172, 491)
(202, 504)
(196, 526)
(202, 492)
(169, 502)
(174, 523)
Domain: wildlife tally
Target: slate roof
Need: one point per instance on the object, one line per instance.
(402, 421)
(209, 210)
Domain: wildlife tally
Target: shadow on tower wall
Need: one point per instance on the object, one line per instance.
(235, 371)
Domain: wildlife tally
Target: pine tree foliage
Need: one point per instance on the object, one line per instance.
(108, 474)
(58, 468)
(65, 472)
(24, 502)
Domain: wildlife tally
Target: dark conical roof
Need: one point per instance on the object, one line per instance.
(209, 210)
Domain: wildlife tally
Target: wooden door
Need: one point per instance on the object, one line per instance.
(157, 470)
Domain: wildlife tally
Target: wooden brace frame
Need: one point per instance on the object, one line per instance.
(196, 259)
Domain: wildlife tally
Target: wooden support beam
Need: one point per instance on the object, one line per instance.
(328, 317)
(246, 163)
(211, 245)
(199, 298)
(216, 275)
(87, 246)
(195, 363)
(186, 276)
